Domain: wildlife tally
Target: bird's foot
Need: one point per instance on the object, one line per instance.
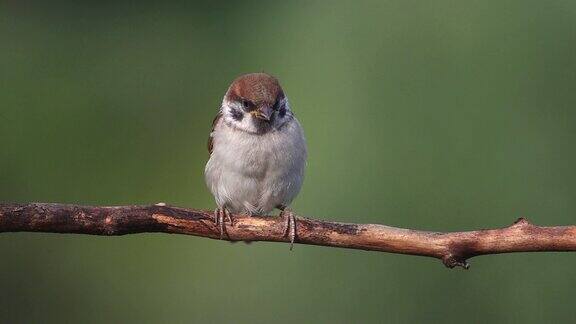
(221, 215)
(289, 225)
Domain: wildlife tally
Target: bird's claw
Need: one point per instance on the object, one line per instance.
(289, 226)
(221, 215)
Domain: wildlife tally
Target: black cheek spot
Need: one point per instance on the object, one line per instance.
(237, 114)
(282, 112)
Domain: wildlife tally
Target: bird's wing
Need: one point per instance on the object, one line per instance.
(211, 138)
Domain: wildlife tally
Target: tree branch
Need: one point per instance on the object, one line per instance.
(452, 248)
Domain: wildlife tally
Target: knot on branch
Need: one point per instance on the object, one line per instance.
(451, 261)
(522, 222)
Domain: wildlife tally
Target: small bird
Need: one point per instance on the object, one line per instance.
(257, 152)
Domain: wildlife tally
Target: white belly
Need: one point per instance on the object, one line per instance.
(253, 174)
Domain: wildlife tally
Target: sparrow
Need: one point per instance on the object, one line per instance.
(257, 152)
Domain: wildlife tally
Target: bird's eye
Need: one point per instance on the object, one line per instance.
(276, 105)
(247, 105)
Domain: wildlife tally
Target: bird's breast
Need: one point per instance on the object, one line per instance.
(259, 170)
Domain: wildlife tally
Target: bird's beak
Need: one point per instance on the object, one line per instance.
(263, 113)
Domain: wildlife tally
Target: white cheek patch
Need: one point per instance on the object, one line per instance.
(283, 116)
(229, 108)
(286, 106)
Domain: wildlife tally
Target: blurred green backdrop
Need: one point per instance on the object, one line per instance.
(437, 115)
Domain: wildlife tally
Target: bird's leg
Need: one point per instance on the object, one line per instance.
(219, 220)
(290, 224)
(228, 216)
(216, 215)
(221, 215)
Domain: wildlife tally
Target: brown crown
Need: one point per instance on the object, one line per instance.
(258, 88)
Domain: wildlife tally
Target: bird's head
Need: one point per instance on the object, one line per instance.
(256, 103)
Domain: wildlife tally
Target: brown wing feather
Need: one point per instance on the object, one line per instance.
(211, 137)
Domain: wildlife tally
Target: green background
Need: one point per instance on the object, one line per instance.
(436, 115)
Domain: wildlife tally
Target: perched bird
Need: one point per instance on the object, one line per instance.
(257, 152)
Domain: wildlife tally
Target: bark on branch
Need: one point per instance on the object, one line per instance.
(452, 248)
